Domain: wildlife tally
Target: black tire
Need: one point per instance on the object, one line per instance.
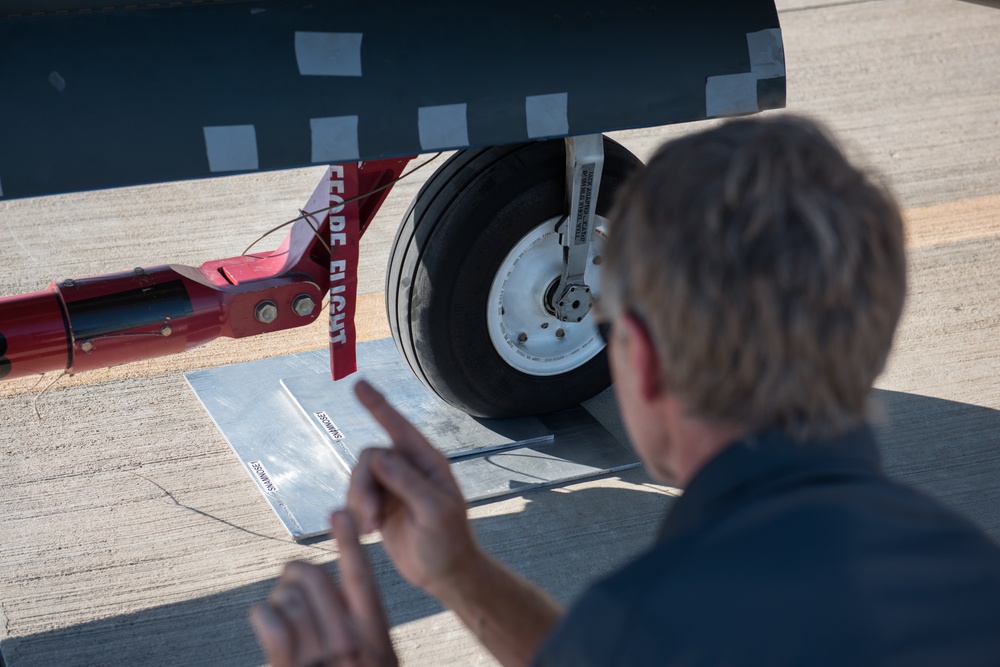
(456, 235)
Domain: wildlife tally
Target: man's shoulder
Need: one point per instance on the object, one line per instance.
(841, 538)
(829, 564)
(828, 503)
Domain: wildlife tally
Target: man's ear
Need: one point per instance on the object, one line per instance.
(643, 359)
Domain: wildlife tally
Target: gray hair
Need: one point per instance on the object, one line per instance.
(769, 271)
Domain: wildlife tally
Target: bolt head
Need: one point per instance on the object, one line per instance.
(303, 305)
(560, 334)
(597, 260)
(138, 271)
(86, 346)
(69, 282)
(266, 312)
(522, 337)
(165, 330)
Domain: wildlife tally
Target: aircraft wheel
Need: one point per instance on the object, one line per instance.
(472, 270)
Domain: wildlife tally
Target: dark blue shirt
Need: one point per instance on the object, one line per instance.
(781, 553)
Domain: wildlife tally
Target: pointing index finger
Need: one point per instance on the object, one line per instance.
(405, 437)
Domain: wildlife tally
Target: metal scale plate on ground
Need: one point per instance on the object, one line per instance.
(298, 433)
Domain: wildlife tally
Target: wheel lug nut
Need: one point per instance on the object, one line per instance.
(597, 260)
(522, 337)
(560, 334)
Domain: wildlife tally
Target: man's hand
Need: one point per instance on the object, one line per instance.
(309, 621)
(409, 493)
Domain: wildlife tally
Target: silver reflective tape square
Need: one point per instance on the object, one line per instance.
(334, 139)
(328, 53)
(547, 115)
(734, 94)
(444, 126)
(767, 53)
(231, 148)
(731, 94)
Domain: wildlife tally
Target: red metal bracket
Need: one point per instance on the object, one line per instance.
(108, 320)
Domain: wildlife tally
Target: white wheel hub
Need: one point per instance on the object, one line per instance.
(525, 333)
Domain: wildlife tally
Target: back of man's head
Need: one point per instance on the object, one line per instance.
(768, 270)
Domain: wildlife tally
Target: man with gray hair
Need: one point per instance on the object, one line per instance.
(753, 280)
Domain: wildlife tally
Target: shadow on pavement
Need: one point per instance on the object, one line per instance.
(947, 449)
(563, 539)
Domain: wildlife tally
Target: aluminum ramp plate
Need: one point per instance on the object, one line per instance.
(269, 412)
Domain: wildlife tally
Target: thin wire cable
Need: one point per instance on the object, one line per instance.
(41, 377)
(308, 217)
(34, 402)
(338, 205)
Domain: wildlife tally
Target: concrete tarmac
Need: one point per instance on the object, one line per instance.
(131, 534)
